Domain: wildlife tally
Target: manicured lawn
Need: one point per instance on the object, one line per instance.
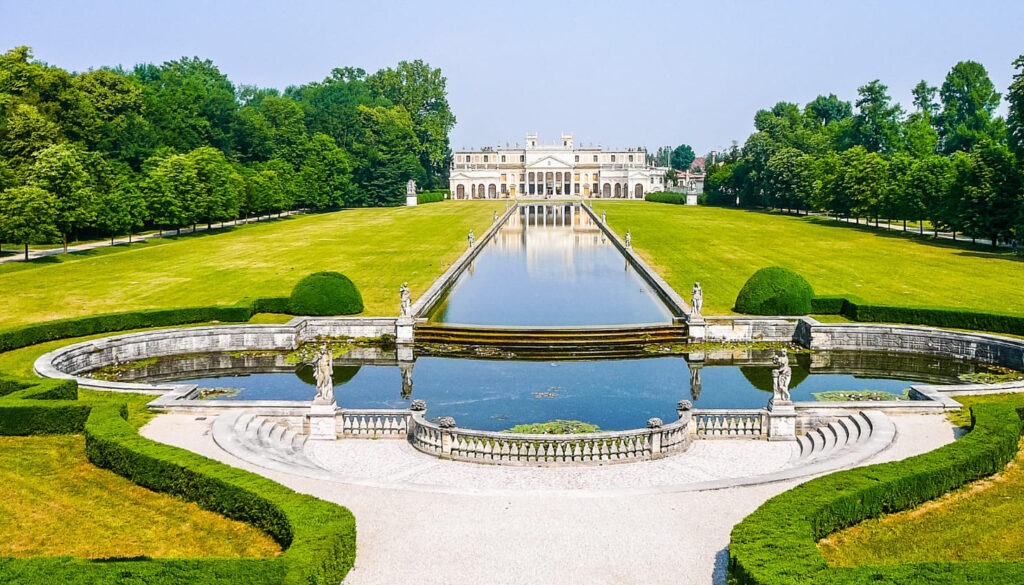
(983, 521)
(54, 502)
(377, 248)
(721, 248)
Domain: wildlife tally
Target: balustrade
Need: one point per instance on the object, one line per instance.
(373, 423)
(709, 424)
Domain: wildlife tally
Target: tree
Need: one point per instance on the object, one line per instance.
(218, 188)
(273, 127)
(968, 101)
(862, 182)
(24, 133)
(876, 125)
(421, 90)
(924, 98)
(682, 157)
(823, 111)
(789, 179)
(1015, 121)
(926, 189)
(989, 185)
(26, 216)
(672, 176)
(326, 175)
(385, 156)
(171, 190)
(61, 171)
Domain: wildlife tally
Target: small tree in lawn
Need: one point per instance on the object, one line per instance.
(26, 214)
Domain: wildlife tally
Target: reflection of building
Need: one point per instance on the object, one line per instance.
(556, 170)
(549, 233)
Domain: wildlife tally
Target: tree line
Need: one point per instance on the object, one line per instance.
(949, 161)
(110, 151)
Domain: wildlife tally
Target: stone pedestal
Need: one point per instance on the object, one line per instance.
(403, 330)
(320, 419)
(781, 421)
(697, 328)
(691, 199)
(410, 200)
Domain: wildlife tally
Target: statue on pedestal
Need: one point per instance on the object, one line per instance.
(470, 238)
(629, 239)
(604, 217)
(782, 376)
(403, 293)
(697, 299)
(323, 371)
(494, 217)
(410, 188)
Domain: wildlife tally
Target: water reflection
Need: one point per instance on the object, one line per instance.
(550, 264)
(494, 394)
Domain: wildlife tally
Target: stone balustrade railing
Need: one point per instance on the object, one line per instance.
(732, 423)
(373, 423)
(532, 449)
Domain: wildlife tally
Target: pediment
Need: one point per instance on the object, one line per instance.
(548, 162)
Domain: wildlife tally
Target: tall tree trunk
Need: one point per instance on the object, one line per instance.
(26, 251)
(64, 240)
(904, 225)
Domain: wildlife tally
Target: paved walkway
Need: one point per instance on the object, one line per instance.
(516, 536)
(39, 253)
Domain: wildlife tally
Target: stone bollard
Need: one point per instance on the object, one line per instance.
(447, 436)
(655, 424)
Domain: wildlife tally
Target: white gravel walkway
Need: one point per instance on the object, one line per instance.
(505, 532)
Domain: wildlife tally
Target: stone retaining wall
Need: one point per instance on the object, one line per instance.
(769, 329)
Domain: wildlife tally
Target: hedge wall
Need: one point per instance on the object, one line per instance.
(858, 310)
(666, 197)
(318, 537)
(431, 196)
(776, 545)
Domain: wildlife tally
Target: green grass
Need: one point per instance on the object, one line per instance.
(377, 248)
(983, 521)
(721, 248)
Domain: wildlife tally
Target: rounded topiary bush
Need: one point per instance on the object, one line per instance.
(325, 293)
(775, 291)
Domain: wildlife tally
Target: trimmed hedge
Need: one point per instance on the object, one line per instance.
(666, 197)
(856, 309)
(271, 305)
(318, 537)
(325, 293)
(431, 196)
(776, 544)
(775, 291)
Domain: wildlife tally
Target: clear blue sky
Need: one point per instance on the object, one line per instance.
(616, 73)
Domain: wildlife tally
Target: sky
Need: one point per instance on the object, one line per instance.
(613, 73)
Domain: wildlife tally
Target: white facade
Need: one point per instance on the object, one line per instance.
(556, 170)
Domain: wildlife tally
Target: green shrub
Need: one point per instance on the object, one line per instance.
(775, 291)
(431, 196)
(325, 293)
(666, 197)
(856, 309)
(776, 544)
(271, 305)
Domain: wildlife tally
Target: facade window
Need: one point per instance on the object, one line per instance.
(502, 177)
(577, 158)
(468, 158)
(631, 158)
(503, 158)
(595, 158)
(613, 158)
(522, 158)
(485, 158)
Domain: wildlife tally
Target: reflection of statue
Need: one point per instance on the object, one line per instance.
(629, 239)
(323, 371)
(782, 377)
(697, 299)
(695, 384)
(403, 293)
(470, 238)
(406, 369)
(410, 188)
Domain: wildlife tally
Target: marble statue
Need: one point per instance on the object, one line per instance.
(780, 393)
(403, 293)
(410, 188)
(470, 238)
(604, 217)
(494, 217)
(629, 239)
(697, 299)
(323, 371)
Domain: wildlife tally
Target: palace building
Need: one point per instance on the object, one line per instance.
(555, 170)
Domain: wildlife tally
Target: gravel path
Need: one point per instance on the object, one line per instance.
(580, 536)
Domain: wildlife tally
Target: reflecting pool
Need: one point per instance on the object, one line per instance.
(496, 394)
(550, 265)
